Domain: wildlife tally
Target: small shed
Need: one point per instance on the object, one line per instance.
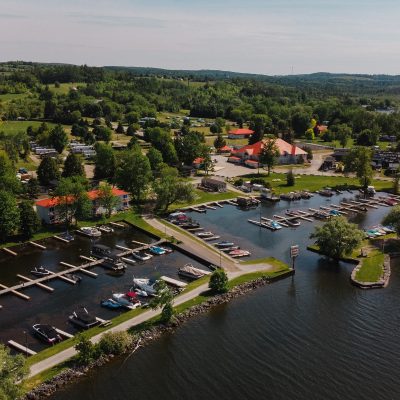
(215, 185)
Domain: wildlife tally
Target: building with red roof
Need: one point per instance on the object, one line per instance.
(225, 149)
(48, 209)
(240, 133)
(288, 154)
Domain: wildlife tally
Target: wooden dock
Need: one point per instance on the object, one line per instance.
(41, 285)
(40, 246)
(13, 253)
(61, 239)
(117, 224)
(64, 334)
(174, 282)
(128, 260)
(20, 347)
(53, 275)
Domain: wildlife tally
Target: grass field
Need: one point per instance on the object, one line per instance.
(314, 182)
(65, 87)
(11, 96)
(371, 267)
(21, 126)
(205, 197)
(351, 143)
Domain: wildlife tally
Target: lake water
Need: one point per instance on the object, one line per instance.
(313, 336)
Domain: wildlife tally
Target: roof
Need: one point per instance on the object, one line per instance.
(234, 158)
(251, 161)
(321, 128)
(242, 131)
(93, 195)
(225, 148)
(198, 160)
(283, 147)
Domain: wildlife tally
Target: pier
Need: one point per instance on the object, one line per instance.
(13, 253)
(174, 282)
(61, 239)
(20, 347)
(144, 246)
(40, 246)
(116, 224)
(53, 275)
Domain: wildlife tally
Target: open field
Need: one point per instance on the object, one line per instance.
(65, 87)
(12, 96)
(21, 126)
(351, 143)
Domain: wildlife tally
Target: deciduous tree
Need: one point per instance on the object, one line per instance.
(218, 281)
(48, 171)
(269, 154)
(29, 221)
(9, 215)
(73, 166)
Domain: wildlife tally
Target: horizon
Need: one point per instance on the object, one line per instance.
(283, 38)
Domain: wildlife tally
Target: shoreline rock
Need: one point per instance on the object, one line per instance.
(147, 336)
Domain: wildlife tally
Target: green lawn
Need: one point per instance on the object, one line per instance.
(335, 143)
(205, 197)
(314, 182)
(12, 96)
(21, 126)
(371, 267)
(65, 87)
(278, 264)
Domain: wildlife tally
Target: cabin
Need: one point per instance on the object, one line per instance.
(49, 211)
(213, 184)
(240, 133)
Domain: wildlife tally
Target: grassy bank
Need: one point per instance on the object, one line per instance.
(371, 267)
(277, 181)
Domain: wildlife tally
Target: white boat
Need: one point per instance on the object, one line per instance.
(126, 301)
(141, 256)
(145, 284)
(204, 234)
(188, 271)
(90, 231)
(106, 229)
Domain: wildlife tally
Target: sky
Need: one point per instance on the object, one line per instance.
(273, 37)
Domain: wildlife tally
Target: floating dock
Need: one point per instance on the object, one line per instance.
(174, 282)
(41, 285)
(61, 239)
(117, 224)
(20, 347)
(13, 253)
(40, 246)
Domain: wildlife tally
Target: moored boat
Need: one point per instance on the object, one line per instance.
(188, 271)
(159, 251)
(224, 243)
(141, 256)
(83, 319)
(47, 333)
(146, 285)
(106, 229)
(90, 231)
(40, 271)
(204, 234)
(127, 300)
(111, 304)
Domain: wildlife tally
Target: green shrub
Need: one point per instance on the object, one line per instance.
(87, 351)
(115, 342)
(218, 281)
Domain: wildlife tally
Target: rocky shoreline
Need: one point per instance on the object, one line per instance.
(147, 336)
(381, 283)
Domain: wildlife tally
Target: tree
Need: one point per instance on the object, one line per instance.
(87, 351)
(368, 137)
(393, 219)
(358, 160)
(163, 298)
(396, 181)
(48, 171)
(58, 138)
(133, 172)
(120, 128)
(337, 237)
(189, 147)
(269, 154)
(12, 370)
(259, 123)
(170, 189)
(73, 166)
(155, 158)
(218, 281)
(32, 188)
(300, 122)
(105, 162)
(343, 134)
(9, 215)
(290, 181)
(208, 164)
(115, 342)
(8, 180)
(106, 198)
(102, 133)
(219, 142)
(309, 151)
(29, 221)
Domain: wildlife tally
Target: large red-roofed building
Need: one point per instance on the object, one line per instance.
(48, 211)
(288, 153)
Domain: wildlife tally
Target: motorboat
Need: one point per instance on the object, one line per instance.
(100, 251)
(293, 222)
(47, 333)
(239, 253)
(159, 251)
(224, 243)
(146, 285)
(334, 213)
(231, 248)
(167, 249)
(73, 277)
(40, 271)
(211, 238)
(275, 225)
(90, 231)
(128, 300)
(141, 256)
(82, 319)
(111, 304)
(66, 236)
(326, 192)
(141, 293)
(106, 229)
(188, 271)
(190, 225)
(204, 234)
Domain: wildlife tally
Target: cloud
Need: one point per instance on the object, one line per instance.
(12, 16)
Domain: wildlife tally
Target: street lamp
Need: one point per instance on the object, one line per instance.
(26, 341)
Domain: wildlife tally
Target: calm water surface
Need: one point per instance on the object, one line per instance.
(311, 337)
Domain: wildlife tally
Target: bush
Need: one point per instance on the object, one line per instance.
(239, 182)
(167, 312)
(290, 181)
(257, 181)
(218, 281)
(115, 342)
